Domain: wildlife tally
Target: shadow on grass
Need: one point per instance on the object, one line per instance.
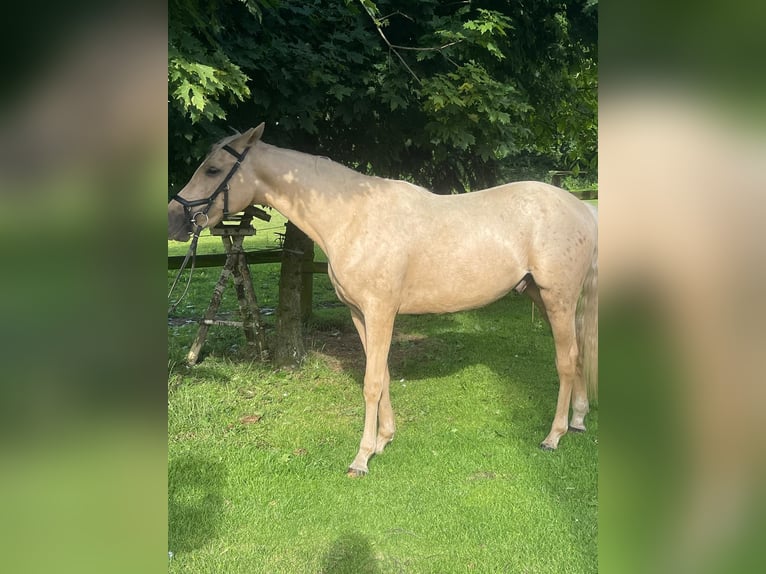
(194, 501)
(501, 336)
(350, 554)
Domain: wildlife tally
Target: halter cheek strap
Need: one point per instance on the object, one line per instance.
(225, 183)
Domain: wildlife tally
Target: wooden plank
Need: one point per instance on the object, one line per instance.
(218, 259)
(253, 258)
(222, 322)
(318, 267)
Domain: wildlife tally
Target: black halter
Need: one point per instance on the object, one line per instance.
(208, 201)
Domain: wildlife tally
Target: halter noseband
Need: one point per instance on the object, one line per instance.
(208, 201)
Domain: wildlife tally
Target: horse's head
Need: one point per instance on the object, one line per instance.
(218, 187)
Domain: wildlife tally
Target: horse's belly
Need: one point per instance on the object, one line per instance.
(449, 296)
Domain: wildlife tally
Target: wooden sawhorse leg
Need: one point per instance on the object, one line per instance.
(248, 303)
(236, 268)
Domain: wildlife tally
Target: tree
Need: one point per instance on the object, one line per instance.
(453, 96)
(288, 348)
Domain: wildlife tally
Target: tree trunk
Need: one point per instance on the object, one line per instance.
(289, 349)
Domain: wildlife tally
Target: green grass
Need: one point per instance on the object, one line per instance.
(257, 456)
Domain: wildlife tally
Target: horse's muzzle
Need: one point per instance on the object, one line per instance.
(179, 226)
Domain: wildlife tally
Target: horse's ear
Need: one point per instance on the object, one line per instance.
(254, 134)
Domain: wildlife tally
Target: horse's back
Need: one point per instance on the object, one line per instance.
(553, 203)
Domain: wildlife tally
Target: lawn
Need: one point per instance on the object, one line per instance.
(257, 456)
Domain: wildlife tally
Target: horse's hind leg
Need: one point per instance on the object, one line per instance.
(580, 404)
(579, 392)
(563, 327)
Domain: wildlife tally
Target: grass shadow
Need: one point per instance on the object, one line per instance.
(350, 554)
(194, 501)
(502, 337)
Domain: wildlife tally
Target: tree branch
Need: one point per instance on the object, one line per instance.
(439, 49)
(395, 48)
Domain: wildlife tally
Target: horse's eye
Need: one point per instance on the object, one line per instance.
(212, 171)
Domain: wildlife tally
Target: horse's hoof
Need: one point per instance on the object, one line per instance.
(355, 473)
(547, 447)
(576, 429)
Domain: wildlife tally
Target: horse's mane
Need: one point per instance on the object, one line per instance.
(228, 139)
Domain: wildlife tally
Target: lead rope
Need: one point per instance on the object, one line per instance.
(191, 252)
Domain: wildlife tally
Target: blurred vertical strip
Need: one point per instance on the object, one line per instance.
(83, 189)
(682, 204)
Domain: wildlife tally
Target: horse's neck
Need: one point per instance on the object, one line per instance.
(306, 189)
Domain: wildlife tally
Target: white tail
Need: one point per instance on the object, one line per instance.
(587, 323)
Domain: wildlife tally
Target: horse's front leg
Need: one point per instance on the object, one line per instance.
(377, 342)
(386, 424)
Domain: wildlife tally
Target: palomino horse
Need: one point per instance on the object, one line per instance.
(394, 247)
